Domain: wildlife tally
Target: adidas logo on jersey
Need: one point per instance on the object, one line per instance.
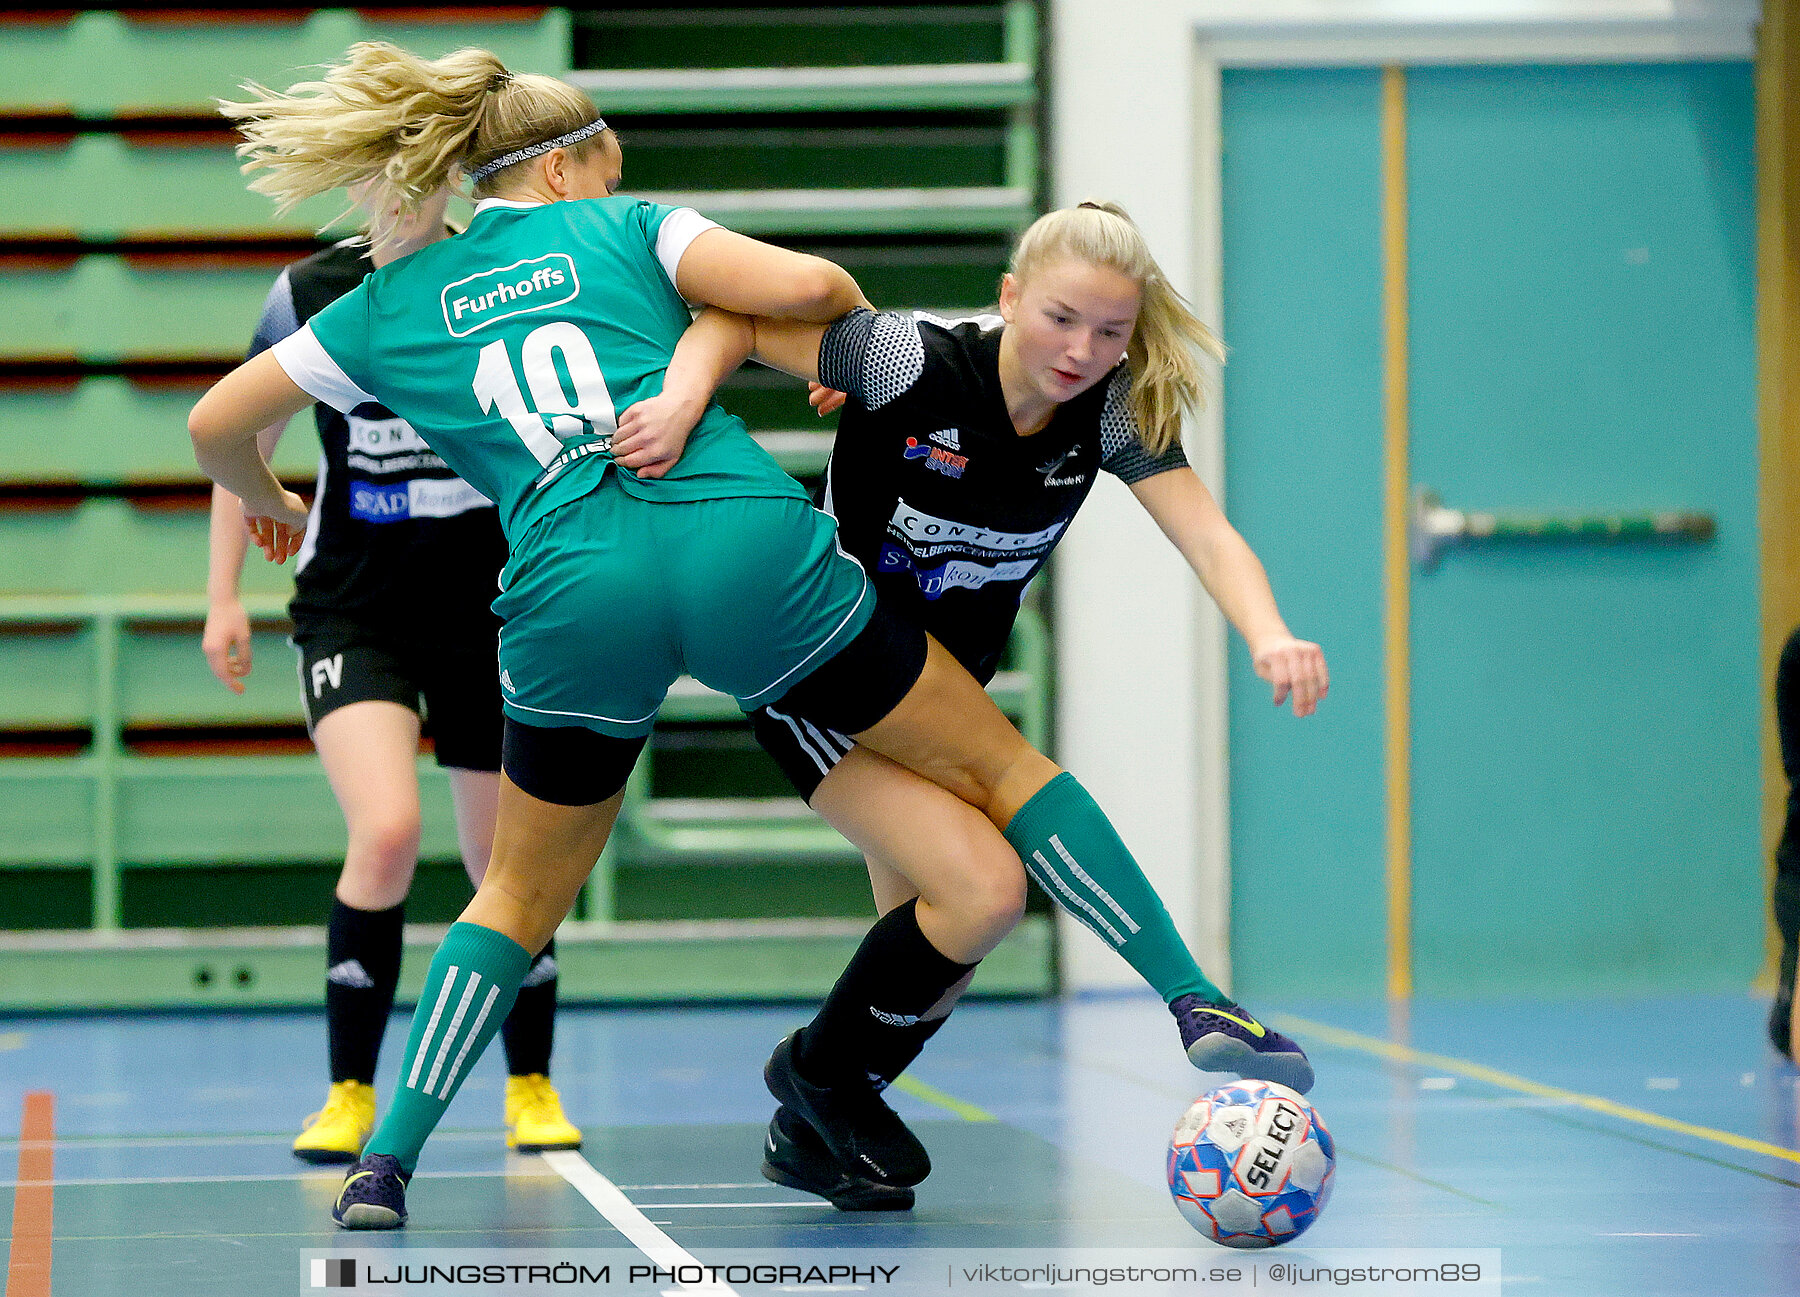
(947, 438)
(535, 284)
(894, 1019)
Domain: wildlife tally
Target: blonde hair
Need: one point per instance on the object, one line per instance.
(399, 127)
(1166, 379)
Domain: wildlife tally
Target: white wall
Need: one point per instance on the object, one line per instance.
(1134, 118)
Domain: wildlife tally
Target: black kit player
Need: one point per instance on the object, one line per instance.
(1786, 888)
(965, 450)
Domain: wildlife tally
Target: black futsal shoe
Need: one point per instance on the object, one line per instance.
(795, 1156)
(862, 1132)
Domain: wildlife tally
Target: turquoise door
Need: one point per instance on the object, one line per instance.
(1584, 719)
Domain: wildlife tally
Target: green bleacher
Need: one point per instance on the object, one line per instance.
(188, 834)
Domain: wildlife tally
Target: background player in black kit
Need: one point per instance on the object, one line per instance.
(965, 449)
(390, 610)
(1786, 894)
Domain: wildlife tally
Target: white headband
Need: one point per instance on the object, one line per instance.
(505, 160)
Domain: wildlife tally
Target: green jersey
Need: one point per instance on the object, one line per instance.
(511, 347)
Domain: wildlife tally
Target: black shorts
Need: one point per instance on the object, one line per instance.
(453, 682)
(805, 752)
(807, 729)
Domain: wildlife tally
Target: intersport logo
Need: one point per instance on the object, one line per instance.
(535, 284)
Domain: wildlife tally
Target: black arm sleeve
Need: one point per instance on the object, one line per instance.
(279, 318)
(1122, 453)
(872, 357)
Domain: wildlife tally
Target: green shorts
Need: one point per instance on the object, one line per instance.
(610, 598)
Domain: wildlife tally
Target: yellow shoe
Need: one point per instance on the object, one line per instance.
(534, 1116)
(338, 1131)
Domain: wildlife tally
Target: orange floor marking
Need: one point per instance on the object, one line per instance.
(28, 1264)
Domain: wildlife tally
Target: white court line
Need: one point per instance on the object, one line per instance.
(725, 1206)
(330, 1174)
(79, 1142)
(84, 1182)
(626, 1218)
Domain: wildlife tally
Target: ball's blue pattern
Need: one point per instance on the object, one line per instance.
(1250, 1164)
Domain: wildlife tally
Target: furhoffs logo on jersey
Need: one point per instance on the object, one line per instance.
(935, 457)
(535, 284)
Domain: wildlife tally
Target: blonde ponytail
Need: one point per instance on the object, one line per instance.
(397, 128)
(1167, 383)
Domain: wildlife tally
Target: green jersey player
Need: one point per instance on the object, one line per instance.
(516, 343)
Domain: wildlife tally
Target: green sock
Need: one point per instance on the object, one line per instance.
(1071, 849)
(470, 988)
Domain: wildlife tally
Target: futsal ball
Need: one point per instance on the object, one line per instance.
(1250, 1164)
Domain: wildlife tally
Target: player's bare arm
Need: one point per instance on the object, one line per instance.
(729, 270)
(790, 346)
(224, 425)
(653, 432)
(1189, 516)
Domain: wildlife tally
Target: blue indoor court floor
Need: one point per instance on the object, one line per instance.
(1620, 1146)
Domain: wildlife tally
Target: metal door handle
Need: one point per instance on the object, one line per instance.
(1434, 528)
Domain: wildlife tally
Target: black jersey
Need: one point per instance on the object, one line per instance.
(951, 510)
(395, 540)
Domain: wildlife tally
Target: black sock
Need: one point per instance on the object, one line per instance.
(362, 961)
(1786, 898)
(895, 1053)
(1787, 921)
(529, 1029)
(1787, 909)
(872, 1014)
(899, 1048)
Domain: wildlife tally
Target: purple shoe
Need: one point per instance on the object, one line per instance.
(1225, 1038)
(373, 1196)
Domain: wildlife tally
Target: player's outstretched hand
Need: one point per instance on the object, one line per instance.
(826, 400)
(226, 643)
(653, 432)
(278, 532)
(1293, 666)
